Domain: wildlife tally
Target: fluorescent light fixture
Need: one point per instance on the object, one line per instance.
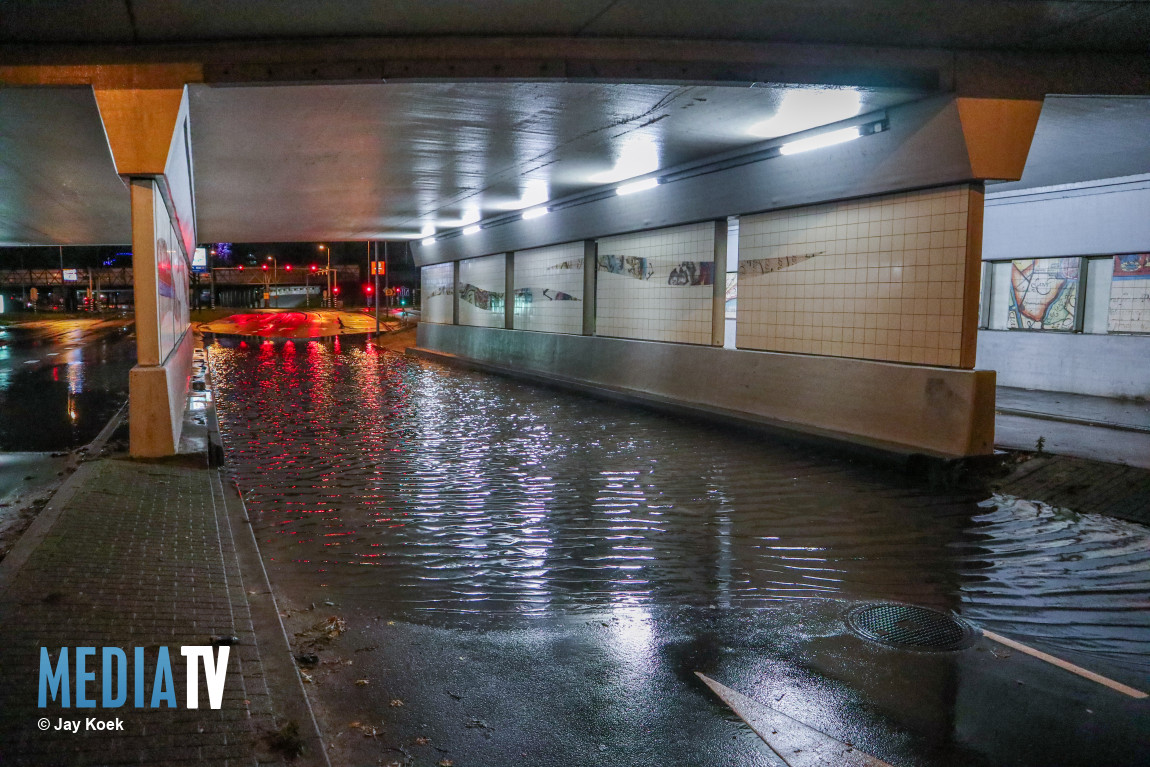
(470, 217)
(638, 186)
(535, 192)
(820, 141)
(639, 156)
(802, 110)
(534, 213)
(428, 230)
(472, 229)
(428, 241)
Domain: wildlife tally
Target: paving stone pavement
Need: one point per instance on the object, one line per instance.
(138, 555)
(1084, 486)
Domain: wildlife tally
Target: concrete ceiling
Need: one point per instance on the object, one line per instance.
(1086, 138)
(58, 184)
(352, 162)
(1085, 25)
(385, 161)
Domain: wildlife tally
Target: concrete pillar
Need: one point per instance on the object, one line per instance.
(719, 294)
(147, 127)
(590, 282)
(509, 291)
(455, 292)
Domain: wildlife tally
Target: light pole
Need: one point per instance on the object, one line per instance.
(376, 276)
(330, 298)
(275, 277)
(306, 285)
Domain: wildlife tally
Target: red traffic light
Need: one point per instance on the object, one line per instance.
(367, 289)
(240, 267)
(287, 267)
(265, 267)
(335, 290)
(314, 268)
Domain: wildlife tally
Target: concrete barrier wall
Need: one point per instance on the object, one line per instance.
(156, 398)
(901, 408)
(1102, 365)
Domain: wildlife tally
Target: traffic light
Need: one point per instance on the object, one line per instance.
(265, 267)
(240, 267)
(314, 268)
(335, 290)
(367, 289)
(287, 267)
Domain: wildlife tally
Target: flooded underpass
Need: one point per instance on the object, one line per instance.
(492, 573)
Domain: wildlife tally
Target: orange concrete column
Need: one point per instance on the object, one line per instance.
(145, 115)
(998, 133)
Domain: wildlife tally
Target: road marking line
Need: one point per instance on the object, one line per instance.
(1066, 665)
(796, 743)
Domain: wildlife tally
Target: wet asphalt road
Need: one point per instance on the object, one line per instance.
(61, 380)
(519, 576)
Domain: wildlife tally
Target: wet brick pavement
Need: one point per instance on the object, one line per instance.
(140, 555)
(1084, 486)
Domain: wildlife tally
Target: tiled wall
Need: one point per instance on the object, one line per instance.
(1130, 296)
(549, 289)
(437, 293)
(482, 287)
(881, 278)
(657, 285)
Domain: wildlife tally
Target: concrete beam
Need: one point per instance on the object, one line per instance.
(976, 73)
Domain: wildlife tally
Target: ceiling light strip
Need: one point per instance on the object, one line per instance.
(867, 125)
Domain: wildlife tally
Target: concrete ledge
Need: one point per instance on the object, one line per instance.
(1079, 363)
(899, 409)
(157, 395)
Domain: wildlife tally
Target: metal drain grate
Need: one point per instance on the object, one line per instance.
(911, 626)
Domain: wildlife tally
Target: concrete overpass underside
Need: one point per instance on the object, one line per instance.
(169, 123)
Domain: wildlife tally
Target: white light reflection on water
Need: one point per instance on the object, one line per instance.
(469, 493)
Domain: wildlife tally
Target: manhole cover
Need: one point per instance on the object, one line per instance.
(911, 626)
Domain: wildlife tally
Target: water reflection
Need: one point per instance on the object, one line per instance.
(59, 385)
(426, 488)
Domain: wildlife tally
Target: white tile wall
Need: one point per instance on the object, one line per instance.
(1129, 306)
(486, 273)
(436, 293)
(651, 309)
(541, 275)
(880, 278)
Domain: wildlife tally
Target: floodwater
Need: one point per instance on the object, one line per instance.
(61, 380)
(534, 575)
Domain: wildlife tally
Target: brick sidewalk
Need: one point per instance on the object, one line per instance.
(1084, 486)
(130, 555)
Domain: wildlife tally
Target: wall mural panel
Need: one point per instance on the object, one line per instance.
(877, 278)
(1043, 294)
(437, 293)
(657, 285)
(1129, 310)
(172, 278)
(482, 289)
(549, 289)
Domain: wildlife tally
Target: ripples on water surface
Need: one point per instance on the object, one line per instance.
(423, 487)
